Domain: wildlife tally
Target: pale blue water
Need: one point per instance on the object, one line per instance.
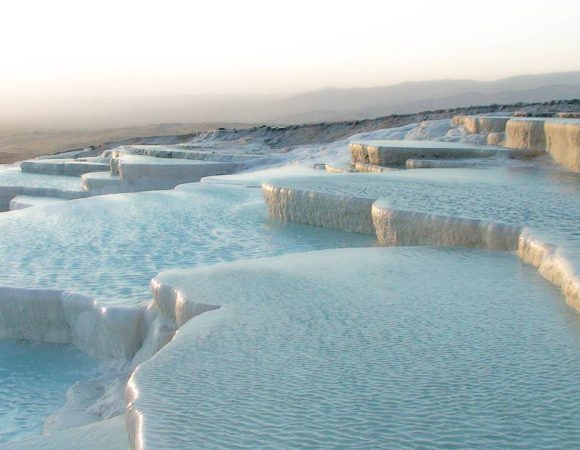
(13, 176)
(546, 199)
(110, 247)
(461, 351)
(394, 348)
(34, 378)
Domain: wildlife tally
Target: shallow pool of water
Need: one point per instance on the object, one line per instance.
(395, 348)
(546, 199)
(34, 378)
(13, 176)
(110, 247)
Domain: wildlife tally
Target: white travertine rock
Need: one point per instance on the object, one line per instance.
(459, 121)
(28, 201)
(32, 196)
(408, 228)
(482, 124)
(344, 213)
(88, 402)
(175, 306)
(358, 167)
(370, 168)
(158, 331)
(392, 227)
(105, 332)
(568, 115)
(14, 182)
(98, 183)
(526, 134)
(7, 193)
(134, 334)
(553, 264)
(396, 153)
(335, 202)
(558, 137)
(135, 173)
(563, 142)
(443, 163)
(267, 368)
(68, 167)
(188, 152)
(339, 168)
(496, 138)
(168, 173)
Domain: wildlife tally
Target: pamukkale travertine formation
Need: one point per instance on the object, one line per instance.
(398, 283)
(560, 137)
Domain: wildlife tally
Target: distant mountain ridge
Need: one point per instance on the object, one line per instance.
(428, 95)
(324, 105)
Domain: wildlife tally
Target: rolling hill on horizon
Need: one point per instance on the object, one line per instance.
(410, 97)
(328, 104)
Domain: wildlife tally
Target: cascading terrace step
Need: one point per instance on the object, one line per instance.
(104, 183)
(69, 167)
(396, 153)
(28, 201)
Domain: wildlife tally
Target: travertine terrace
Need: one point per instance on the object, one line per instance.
(238, 294)
(560, 137)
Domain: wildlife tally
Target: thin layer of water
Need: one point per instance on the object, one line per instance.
(13, 176)
(34, 378)
(545, 199)
(110, 247)
(367, 348)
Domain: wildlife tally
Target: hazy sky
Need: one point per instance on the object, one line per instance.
(126, 47)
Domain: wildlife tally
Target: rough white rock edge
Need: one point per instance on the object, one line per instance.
(395, 227)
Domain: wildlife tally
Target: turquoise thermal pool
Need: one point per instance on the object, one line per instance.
(34, 378)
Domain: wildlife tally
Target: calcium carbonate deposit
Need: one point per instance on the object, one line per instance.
(363, 348)
(408, 287)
